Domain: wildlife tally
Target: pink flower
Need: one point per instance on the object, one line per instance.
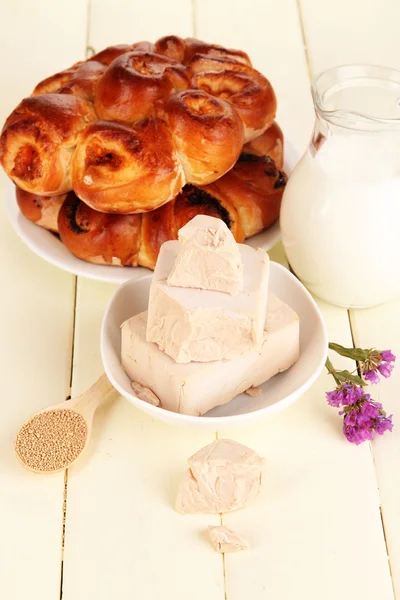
(362, 416)
(344, 395)
(385, 369)
(372, 376)
(365, 418)
(388, 356)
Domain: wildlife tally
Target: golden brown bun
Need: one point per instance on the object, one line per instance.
(126, 170)
(80, 80)
(172, 46)
(106, 56)
(134, 82)
(255, 187)
(97, 237)
(194, 201)
(158, 226)
(39, 209)
(203, 63)
(52, 84)
(250, 94)
(194, 46)
(142, 47)
(270, 143)
(207, 132)
(38, 139)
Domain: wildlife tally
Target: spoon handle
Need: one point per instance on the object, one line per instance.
(90, 400)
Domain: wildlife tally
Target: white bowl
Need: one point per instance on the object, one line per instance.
(49, 247)
(277, 393)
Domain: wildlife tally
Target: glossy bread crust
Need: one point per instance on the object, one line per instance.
(41, 210)
(99, 238)
(38, 139)
(126, 170)
(133, 83)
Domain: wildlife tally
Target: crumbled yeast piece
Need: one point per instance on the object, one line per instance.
(225, 540)
(145, 394)
(222, 477)
(254, 392)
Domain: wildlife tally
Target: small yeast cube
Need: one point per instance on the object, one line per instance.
(208, 257)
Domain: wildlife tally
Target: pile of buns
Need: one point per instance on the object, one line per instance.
(118, 152)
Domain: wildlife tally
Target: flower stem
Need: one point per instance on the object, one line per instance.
(332, 371)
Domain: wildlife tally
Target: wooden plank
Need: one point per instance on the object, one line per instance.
(124, 21)
(320, 509)
(368, 33)
(123, 536)
(36, 304)
(351, 32)
(35, 349)
(379, 327)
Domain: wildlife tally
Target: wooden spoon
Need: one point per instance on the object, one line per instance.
(52, 439)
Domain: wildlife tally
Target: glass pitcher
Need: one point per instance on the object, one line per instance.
(340, 215)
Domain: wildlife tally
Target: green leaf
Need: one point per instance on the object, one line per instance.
(331, 370)
(353, 353)
(347, 377)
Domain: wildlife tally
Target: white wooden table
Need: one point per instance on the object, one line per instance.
(327, 526)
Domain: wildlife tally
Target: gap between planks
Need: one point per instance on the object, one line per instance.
(89, 49)
(65, 488)
(304, 38)
(88, 52)
(349, 313)
(194, 26)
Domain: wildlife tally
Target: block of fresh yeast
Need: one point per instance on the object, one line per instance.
(191, 324)
(208, 257)
(195, 388)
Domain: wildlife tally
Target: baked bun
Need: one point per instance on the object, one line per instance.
(106, 56)
(255, 187)
(126, 170)
(194, 201)
(158, 226)
(134, 82)
(142, 47)
(195, 47)
(38, 139)
(207, 131)
(80, 80)
(270, 143)
(40, 210)
(249, 93)
(99, 238)
(171, 46)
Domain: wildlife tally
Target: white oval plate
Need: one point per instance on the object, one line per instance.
(48, 246)
(279, 392)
